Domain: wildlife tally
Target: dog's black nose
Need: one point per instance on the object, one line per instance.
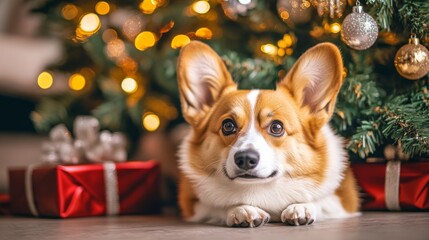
(247, 159)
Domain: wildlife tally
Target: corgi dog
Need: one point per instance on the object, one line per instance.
(258, 156)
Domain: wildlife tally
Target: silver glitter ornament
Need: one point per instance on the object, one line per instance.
(412, 60)
(359, 30)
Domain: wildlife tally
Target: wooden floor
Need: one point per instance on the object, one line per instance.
(371, 225)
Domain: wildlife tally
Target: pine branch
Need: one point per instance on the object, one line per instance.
(414, 14)
(367, 138)
(384, 12)
(358, 96)
(251, 73)
(406, 121)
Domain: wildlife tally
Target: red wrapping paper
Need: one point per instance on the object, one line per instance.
(80, 191)
(413, 185)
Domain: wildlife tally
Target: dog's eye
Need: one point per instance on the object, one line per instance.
(228, 127)
(276, 129)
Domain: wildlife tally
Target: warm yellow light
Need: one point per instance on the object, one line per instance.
(77, 82)
(151, 122)
(289, 51)
(245, 2)
(335, 28)
(180, 41)
(204, 33)
(305, 4)
(288, 40)
(284, 15)
(144, 40)
(281, 43)
(129, 85)
(201, 7)
(102, 8)
(69, 11)
(90, 23)
(45, 80)
(269, 49)
(147, 6)
(281, 52)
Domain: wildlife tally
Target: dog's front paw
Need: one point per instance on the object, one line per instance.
(299, 214)
(246, 216)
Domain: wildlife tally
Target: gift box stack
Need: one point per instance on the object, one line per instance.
(85, 176)
(394, 182)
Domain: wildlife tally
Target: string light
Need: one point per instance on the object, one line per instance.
(180, 41)
(102, 8)
(45, 80)
(151, 121)
(335, 28)
(129, 85)
(204, 33)
(147, 6)
(201, 7)
(69, 11)
(269, 49)
(144, 40)
(90, 23)
(288, 40)
(77, 82)
(245, 2)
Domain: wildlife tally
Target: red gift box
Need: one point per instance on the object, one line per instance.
(80, 190)
(413, 185)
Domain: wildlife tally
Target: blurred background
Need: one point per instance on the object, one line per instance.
(115, 60)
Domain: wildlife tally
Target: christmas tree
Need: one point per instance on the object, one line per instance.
(120, 61)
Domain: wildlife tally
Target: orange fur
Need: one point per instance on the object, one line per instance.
(348, 193)
(187, 197)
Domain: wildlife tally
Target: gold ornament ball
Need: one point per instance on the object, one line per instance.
(412, 60)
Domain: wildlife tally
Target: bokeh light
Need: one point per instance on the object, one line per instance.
(129, 85)
(335, 28)
(245, 2)
(204, 33)
(90, 23)
(45, 80)
(269, 49)
(115, 48)
(109, 35)
(151, 121)
(180, 41)
(69, 11)
(145, 40)
(147, 6)
(201, 7)
(102, 8)
(77, 82)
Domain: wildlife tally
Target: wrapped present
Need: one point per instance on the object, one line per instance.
(86, 190)
(99, 183)
(393, 185)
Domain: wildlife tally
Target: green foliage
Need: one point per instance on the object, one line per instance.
(251, 73)
(414, 14)
(375, 106)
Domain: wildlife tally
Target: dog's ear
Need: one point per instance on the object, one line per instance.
(203, 78)
(315, 80)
